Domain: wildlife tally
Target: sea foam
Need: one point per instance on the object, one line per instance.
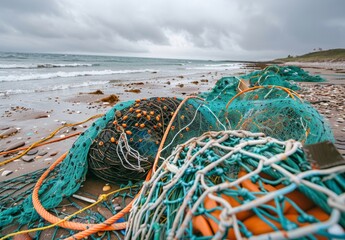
(61, 74)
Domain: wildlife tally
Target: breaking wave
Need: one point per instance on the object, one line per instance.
(60, 74)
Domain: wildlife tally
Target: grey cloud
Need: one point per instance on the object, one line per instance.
(212, 29)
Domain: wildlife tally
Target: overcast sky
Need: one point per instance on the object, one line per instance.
(196, 29)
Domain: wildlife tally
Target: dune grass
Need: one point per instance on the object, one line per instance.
(332, 55)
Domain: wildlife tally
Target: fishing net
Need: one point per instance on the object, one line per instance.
(122, 147)
(279, 113)
(119, 147)
(125, 149)
(281, 76)
(234, 184)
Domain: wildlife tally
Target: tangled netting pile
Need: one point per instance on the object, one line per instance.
(234, 184)
(281, 76)
(200, 185)
(277, 112)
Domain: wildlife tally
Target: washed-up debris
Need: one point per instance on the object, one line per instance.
(110, 99)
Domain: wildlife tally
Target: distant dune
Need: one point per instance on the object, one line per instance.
(332, 55)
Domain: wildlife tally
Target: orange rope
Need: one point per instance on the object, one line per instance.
(67, 224)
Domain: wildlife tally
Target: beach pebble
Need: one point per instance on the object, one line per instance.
(42, 153)
(8, 132)
(4, 127)
(48, 159)
(53, 154)
(106, 188)
(27, 158)
(6, 173)
(15, 145)
(32, 152)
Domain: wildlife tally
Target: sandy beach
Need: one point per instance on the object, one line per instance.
(27, 125)
(22, 126)
(35, 118)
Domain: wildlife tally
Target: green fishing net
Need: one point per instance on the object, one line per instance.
(121, 146)
(125, 149)
(279, 113)
(281, 76)
(233, 184)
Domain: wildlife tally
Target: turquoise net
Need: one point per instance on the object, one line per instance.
(121, 146)
(233, 184)
(281, 76)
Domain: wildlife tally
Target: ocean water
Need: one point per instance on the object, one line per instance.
(25, 73)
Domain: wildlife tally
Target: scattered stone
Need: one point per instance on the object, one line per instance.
(8, 132)
(53, 154)
(42, 153)
(180, 85)
(32, 152)
(27, 158)
(15, 145)
(106, 188)
(6, 173)
(48, 159)
(195, 82)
